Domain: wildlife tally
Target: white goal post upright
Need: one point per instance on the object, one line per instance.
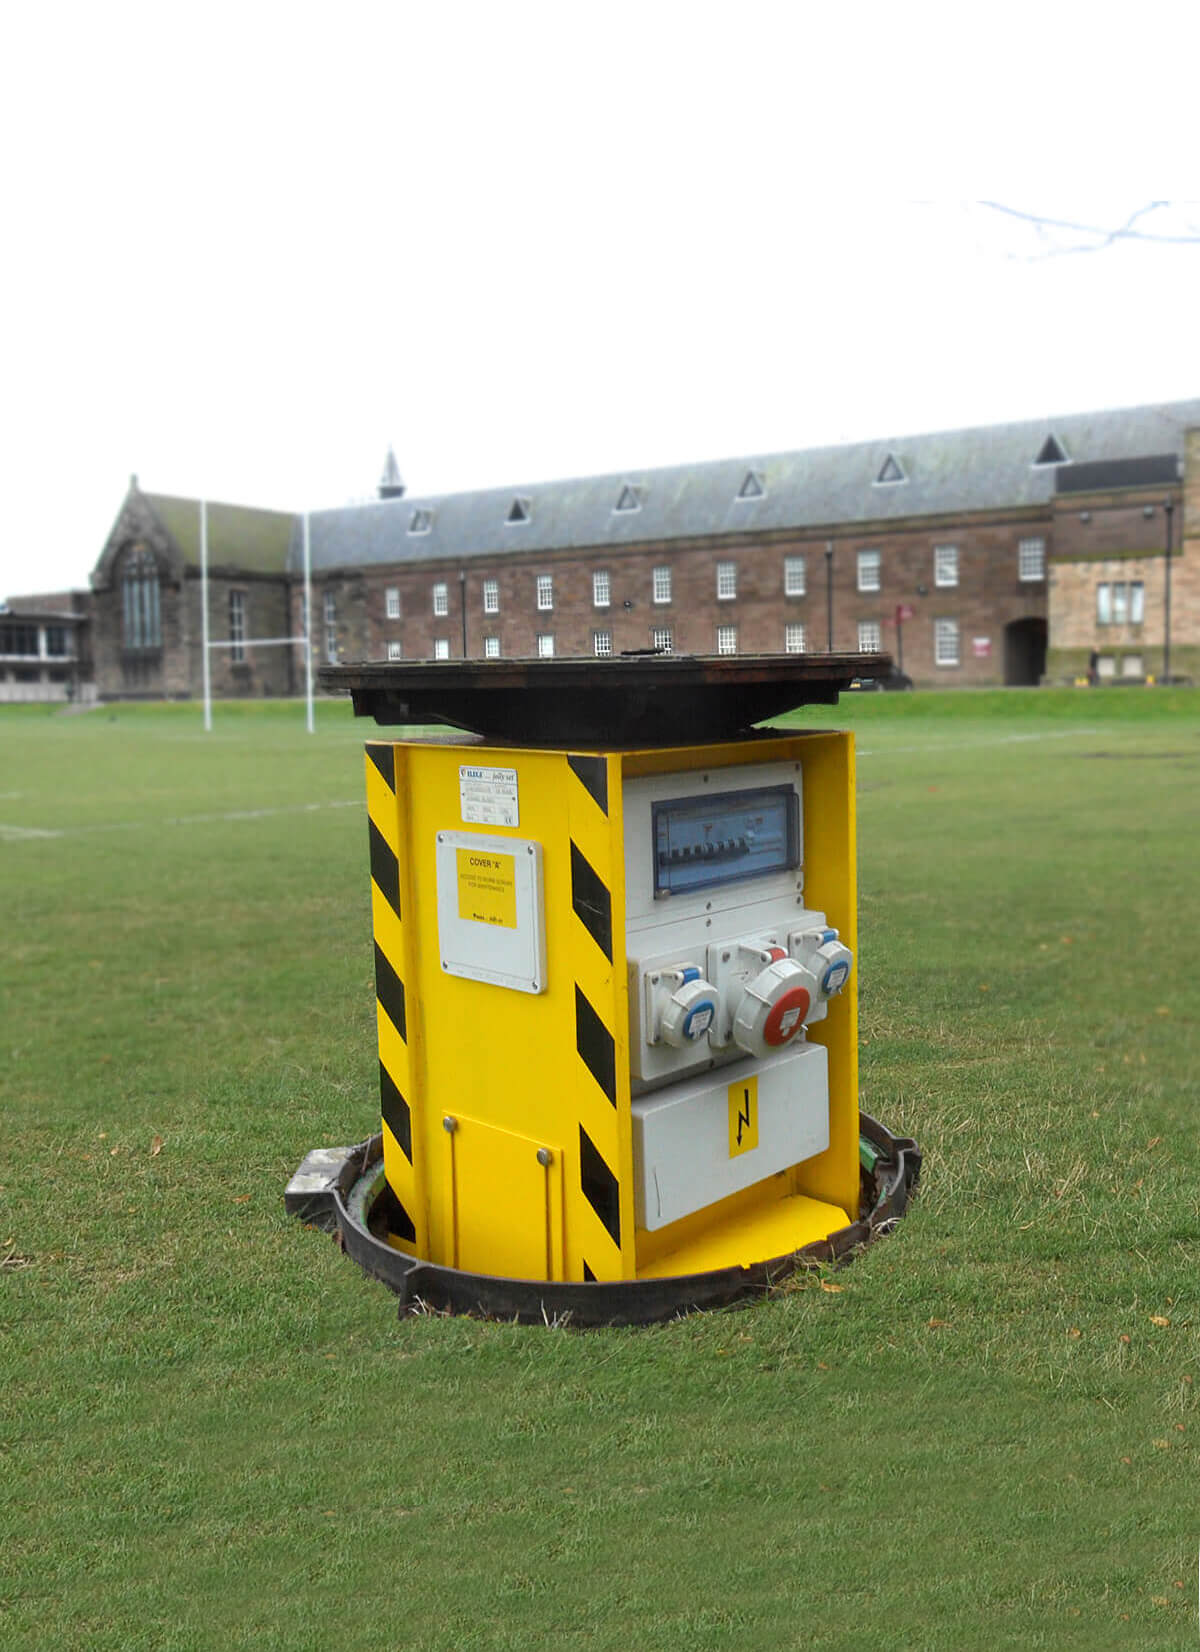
(308, 686)
(207, 645)
(205, 669)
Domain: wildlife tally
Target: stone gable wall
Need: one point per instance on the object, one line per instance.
(1108, 538)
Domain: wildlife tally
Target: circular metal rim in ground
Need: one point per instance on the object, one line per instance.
(345, 1206)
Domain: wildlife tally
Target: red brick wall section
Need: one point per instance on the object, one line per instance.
(989, 594)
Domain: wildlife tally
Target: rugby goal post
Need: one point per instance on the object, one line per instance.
(304, 641)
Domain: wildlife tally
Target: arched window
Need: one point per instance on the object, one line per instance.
(140, 604)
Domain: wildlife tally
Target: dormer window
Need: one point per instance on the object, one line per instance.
(1052, 452)
(421, 521)
(630, 500)
(518, 511)
(889, 472)
(754, 485)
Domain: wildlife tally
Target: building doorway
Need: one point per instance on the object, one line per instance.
(1024, 653)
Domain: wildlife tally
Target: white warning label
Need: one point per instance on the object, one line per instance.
(488, 797)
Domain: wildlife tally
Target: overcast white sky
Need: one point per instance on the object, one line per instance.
(249, 246)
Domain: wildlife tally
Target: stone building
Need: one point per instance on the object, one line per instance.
(1008, 554)
(978, 557)
(1108, 575)
(147, 626)
(45, 648)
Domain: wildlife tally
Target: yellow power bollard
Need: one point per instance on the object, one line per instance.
(616, 996)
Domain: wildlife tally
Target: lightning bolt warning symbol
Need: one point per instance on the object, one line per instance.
(743, 1118)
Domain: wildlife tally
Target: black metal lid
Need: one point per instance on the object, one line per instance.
(628, 700)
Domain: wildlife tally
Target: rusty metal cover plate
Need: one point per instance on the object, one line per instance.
(628, 700)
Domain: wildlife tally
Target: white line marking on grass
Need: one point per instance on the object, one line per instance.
(264, 814)
(14, 834)
(974, 745)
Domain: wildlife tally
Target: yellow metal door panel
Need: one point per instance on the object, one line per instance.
(504, 1192)
(830, 883)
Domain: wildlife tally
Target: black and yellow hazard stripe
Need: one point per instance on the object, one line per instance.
(391, 1014)
(595, 1248)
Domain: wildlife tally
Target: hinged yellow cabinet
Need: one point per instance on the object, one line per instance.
(616, 1002)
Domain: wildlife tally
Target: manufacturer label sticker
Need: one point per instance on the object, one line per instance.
(487, 887)
(488, 797)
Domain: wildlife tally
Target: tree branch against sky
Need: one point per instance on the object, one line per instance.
(1097, 237)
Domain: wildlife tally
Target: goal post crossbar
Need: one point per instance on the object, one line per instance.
(304, 641)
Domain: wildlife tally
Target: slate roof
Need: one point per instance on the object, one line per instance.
(947, 473)
(56, 605)
(239, 536)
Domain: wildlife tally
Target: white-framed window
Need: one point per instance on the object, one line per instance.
(1122, 602)
(945, 565)
(1106, 665)
(441, 648)
(795, 577)
(870, 637)
(441, 599)
(545, 645)
(945, 642)
(545, 593)
(601, 588)
(661, 589)
(660, 638)
(794, 639)
(392, 602)
(395, 652)
(491, 596)
(1137, 602)
(726, 582)
(869, 570)
(1132, 665)
(1031, 559)
(602, 644)
(237, 626)
(331, 644)
(421, 521)
(491, 648)
(726, 639)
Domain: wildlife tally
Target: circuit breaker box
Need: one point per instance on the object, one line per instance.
(616, 1002)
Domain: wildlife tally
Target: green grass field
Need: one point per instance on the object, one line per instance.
(215, 1431)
